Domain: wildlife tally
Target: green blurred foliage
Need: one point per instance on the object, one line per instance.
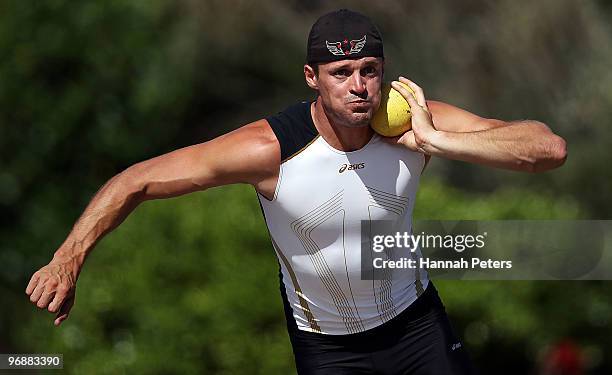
(189, 285)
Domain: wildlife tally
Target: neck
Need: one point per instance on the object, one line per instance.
(338, 136)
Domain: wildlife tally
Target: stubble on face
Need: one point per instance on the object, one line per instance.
(350, 90)
(349, 118)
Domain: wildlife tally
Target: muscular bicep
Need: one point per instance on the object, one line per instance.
(249, 154)
(449, 118)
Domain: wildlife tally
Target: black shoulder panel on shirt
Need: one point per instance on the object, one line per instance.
(293, 128)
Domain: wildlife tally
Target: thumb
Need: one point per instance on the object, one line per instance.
(408, 139)
(64, 311)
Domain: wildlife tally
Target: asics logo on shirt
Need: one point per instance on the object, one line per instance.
(351, 167)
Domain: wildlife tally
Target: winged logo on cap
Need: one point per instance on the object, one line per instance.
(342, 48)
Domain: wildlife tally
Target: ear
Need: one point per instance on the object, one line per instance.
(311, 78)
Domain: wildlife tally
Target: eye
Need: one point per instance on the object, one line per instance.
(342, 73)
(369, 70)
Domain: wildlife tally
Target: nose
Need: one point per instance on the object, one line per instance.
(358, 86)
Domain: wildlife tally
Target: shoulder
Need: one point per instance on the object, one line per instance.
(293, 128)
(257, 141)
(257, 135)
(294, 115)
(246, 154)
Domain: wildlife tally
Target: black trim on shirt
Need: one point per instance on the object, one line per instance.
(293, 128)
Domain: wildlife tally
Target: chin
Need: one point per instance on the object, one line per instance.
(363, 117)
(350, 118)
(359, 120)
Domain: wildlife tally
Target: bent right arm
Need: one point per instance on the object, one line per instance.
(250, 154)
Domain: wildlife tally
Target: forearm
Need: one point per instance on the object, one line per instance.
(523, 146)
(108, 208)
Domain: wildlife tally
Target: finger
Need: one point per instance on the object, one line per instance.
(32, 284)
(407, 137)
(38, 291)
(418, 91)
(58, 300)
(414, 106)
(45, 298)
(64, 311)
(405, 93)
(412, 102)
(420, 96)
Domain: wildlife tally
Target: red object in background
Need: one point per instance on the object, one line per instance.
(563, 358)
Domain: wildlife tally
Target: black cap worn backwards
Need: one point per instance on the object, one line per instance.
(341, 35)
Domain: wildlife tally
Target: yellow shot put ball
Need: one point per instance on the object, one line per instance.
(393, 116)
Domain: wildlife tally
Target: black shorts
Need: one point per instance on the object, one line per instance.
(419, 340)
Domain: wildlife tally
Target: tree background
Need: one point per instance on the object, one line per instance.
(88, 88)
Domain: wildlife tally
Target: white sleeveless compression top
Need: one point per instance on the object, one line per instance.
(314, 220)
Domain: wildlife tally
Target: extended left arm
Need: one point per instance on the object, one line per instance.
(443, 130)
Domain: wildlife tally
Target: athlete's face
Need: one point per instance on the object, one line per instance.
(349, 89)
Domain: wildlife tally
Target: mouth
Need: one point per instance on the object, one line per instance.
(360, 104)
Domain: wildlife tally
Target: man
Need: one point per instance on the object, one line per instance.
(319, 170)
